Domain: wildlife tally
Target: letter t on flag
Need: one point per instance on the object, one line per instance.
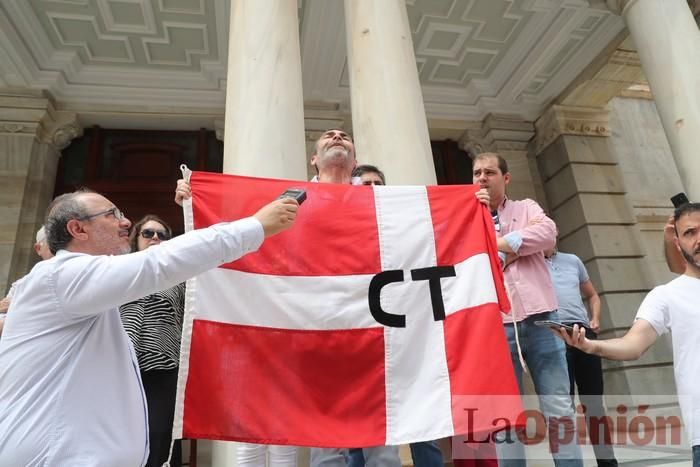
(282, 346)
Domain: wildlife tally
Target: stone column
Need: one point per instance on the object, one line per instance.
(264, 125)
(32, 134)
(264, 120)
(388, 116)
(667, 37)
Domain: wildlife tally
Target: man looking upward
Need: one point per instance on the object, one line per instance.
(334, 161)
(334, 157)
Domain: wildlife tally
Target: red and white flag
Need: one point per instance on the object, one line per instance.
(364, 324)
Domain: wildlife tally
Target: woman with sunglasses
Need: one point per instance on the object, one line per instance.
(154, 324)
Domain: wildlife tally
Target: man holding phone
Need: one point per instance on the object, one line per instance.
(70, 392)
(669, 307)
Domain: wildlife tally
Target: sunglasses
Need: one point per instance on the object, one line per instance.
(149, 233)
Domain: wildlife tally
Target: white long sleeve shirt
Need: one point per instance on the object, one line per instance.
(70, 390)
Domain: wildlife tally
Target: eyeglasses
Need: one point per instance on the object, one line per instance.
(118, 215)
(149, 233)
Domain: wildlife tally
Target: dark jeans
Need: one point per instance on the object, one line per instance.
(425, 454)
(160, 387)
(696, 456)
(586, 372)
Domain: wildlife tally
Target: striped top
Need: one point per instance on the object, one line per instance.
(154, 325)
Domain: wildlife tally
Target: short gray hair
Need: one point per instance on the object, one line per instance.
(41, 235)
(61, 210)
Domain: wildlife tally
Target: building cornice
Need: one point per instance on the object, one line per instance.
(561, 120)
(498, 133)
(33, 114)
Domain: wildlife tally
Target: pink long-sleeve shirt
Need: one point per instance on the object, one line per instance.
(527, 280)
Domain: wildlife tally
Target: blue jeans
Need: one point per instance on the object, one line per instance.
(378, 456)
(545, 356)
(425, 454)
(696, 456)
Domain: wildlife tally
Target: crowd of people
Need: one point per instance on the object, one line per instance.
(90, 347)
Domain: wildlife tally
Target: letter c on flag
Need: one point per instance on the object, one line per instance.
(375, 292)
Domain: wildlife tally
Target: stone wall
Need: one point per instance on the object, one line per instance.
(608, 185)
(649, 173)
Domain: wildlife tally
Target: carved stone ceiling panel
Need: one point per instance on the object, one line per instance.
(131, 33)
(474, 56)
(477, 57)
(156, 53)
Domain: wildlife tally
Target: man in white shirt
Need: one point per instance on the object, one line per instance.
(669, 307)
(70, 390)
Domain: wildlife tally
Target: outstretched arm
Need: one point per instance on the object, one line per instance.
(111, 281)
(631, 346)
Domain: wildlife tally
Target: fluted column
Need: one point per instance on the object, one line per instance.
(667, 38)
(264, 126)
(388, 116)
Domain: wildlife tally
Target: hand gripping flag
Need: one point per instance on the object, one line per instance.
(372, 321)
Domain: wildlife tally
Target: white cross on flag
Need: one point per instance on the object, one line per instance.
(364, 324)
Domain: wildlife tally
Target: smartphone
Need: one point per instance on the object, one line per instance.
(555, 325)
(295, 193)
(679, 200)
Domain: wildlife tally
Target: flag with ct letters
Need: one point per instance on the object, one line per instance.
(367, 323)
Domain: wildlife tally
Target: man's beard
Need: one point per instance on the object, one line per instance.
(337, 152)
(336, 156)
(689, 258)
(110, 247)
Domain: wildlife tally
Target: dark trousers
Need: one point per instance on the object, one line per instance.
(160, 387)
(586, 372)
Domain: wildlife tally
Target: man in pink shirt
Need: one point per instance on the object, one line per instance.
(523, 233)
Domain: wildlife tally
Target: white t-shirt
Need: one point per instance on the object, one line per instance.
(674, 307)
